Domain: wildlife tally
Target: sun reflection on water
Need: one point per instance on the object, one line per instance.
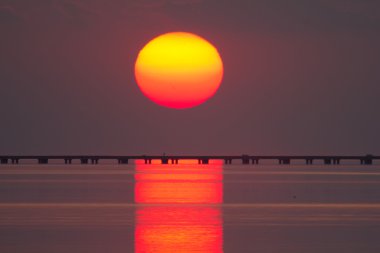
(180, 211)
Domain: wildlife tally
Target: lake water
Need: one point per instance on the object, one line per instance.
(189, 208)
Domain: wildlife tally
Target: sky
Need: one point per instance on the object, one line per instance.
(300, 77)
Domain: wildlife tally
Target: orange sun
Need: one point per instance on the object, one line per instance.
(179, 70)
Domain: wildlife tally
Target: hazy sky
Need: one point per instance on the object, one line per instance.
(301, 77)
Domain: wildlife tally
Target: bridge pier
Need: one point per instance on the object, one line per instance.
(245, 159)
(255, 161)
(94, 161)
(309, 161)
(366, 161)
(43, 160)
(68, 160)
(227, 161)
(203, 161)
(284, 161)
(84, 160)
(15, 160)
(336, 161)
(123, 161)
(148, 161)
(4, 160)
(327, 161)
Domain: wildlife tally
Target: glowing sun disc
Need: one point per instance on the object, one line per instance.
(179, 70)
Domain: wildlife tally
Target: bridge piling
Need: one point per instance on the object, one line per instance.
(366, 161)
(227, 161)
(123, 160)
(203, 161)
(43, 160)
(309, 161)
(255, 161)
(245, 159)
(336, 161)
(284, 161)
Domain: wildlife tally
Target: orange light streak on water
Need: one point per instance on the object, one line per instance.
(184, 215)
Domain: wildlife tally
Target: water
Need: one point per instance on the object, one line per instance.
(189, 208)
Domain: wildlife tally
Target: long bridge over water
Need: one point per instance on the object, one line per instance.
(173, 159)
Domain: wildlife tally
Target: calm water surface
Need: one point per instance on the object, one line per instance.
(189, 208)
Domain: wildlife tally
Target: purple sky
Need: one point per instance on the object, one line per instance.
(301, 77)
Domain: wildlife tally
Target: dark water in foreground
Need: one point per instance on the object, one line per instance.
(189, 208)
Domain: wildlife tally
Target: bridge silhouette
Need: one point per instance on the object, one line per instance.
(173, 159)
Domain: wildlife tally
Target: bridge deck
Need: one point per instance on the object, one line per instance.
(203, 159)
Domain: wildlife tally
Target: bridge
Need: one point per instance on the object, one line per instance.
(173, 159)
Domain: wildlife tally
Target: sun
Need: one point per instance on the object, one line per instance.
(179, 70)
